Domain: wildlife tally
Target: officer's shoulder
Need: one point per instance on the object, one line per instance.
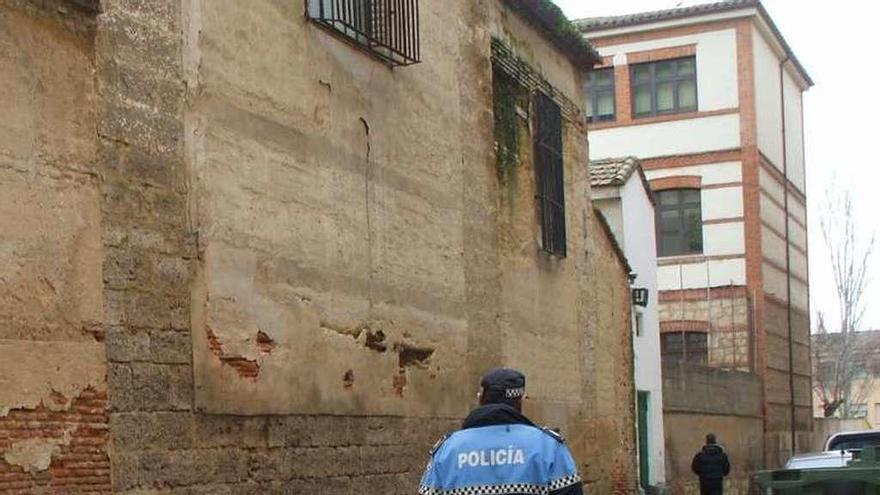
(440, 443)
(555, 435)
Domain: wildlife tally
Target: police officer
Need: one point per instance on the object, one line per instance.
(499, 451)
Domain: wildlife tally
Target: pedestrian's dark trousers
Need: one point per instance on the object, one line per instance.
(711, 486)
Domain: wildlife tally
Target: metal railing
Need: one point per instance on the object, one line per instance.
(388, 29)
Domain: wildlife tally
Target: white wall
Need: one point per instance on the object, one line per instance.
(775, 284)
(713, 173)
(639, 246)
(768, 107)
(722, 203)
(699, 135)
(794, 133)
(705, 273)
(716, 64)
(724, 239)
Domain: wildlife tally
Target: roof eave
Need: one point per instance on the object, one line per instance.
(552, 22)
(789, 53)
(750, 9)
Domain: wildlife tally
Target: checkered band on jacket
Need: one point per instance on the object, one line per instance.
(508, 489)
(564, 482)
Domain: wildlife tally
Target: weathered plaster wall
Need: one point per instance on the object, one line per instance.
(701, 400)
(778, 384)
(329, 208)
(609, 422)
(53, 423)
(258, 260)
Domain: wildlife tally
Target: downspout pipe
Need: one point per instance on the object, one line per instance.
(787, 258)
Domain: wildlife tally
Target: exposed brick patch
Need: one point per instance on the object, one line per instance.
(622, 100)
(79, 463)
(246, 368)
(265, 343)
(661, 54)
(684, 326)
(699, 294)
(677, 182)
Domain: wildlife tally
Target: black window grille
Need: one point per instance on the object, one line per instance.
(549, 172)
(600, 95)
(679, 222)
(685, 347)
(388, 29)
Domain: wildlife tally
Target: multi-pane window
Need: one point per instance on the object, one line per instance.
(687, 347)
(600, 95)
(548, 170)
(668, 86)
(389, 29)
(859, 411)
(679, 222)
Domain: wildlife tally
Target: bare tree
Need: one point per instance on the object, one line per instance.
(840, 356)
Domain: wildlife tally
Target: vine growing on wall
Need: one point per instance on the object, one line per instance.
(506, 93)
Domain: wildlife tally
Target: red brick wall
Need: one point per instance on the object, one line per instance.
(80, 464)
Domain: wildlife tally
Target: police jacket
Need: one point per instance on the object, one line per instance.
(711, 463)
(499, 451)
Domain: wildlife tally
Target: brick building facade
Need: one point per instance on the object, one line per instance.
(241, 254)
(709, 98)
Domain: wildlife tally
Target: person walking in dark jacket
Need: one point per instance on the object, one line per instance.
(711, 465)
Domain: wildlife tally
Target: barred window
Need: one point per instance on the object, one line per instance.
(600, 95)
(667, 86)
(388, 29)
(687, 347)
(549, 173)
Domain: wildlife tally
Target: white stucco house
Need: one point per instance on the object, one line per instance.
(621, 192)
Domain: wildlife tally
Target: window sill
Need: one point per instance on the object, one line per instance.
(671, 117)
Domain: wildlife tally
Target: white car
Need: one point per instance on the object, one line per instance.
(831, 459)
(838, 452)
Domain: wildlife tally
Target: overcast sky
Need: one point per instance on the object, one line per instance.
(838, 44)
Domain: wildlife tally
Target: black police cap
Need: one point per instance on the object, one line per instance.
(504, 382)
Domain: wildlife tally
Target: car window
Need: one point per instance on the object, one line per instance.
(855, 441)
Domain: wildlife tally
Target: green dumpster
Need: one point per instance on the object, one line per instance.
(861, 476)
